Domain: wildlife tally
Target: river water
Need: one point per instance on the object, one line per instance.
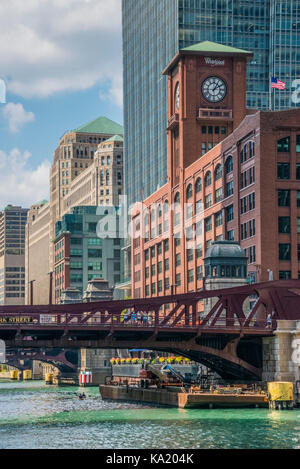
(33, 415)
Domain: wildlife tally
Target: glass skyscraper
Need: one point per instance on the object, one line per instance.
(154, 30)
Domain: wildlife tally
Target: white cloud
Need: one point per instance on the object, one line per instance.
(21, 185)
(17, 116)
(50, 46)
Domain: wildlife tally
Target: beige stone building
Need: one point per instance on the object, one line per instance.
(37, 253)
(74, 155)
(87, 169)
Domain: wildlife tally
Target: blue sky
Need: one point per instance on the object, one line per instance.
(62, 65)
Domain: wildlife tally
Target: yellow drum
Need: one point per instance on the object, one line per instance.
(281, 395)
(27, 374)
(49, 378)
(14, 374)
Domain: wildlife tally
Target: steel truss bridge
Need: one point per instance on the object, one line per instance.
(227, 338)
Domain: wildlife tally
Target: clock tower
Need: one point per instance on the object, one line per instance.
(207, 101)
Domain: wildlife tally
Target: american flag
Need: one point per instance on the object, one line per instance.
(275, 83)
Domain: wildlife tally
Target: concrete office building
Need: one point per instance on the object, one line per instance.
(85, 249)
(74, 154)
(37, 249)
(12, 255)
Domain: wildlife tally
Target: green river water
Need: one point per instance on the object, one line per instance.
(33, 415)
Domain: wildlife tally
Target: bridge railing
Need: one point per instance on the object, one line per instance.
(139, 320)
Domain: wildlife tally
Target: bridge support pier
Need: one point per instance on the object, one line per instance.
(98, 362)
(281, 353)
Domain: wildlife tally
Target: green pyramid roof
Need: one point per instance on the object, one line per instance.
(102, 125)
(205, 48)
(115, 138)
(208, 46)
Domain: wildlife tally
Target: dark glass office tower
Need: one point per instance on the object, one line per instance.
(154, 30)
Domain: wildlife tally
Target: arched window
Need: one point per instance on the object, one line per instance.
(189, 191)
(177, 198)
(218, 172)
(229, 165)
(198, 185)
(159, 211)
(207, 179)
(101, 177)
(283, 145)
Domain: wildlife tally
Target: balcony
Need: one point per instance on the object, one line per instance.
(173, 122)
(221, 114)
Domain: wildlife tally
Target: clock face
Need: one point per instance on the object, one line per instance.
(177, 97)
(214, 89)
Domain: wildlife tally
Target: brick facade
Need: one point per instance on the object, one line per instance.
(237, 181)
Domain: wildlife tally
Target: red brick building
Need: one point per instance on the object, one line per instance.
(231, 176)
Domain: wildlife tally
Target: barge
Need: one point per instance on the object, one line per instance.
(177, 397)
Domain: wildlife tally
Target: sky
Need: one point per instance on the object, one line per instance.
(61, 63)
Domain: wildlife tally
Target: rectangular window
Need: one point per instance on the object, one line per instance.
(298, 144)
(203, 146)
(285, 275)
(178, 260)
(199, 251)
(229, 188)
(252, 254)
(199, 272)
(152, 269)
(166, 263)
(219, 218)
(178, 280)
(298, 171)
(230, 235)
(229, 213)
(94, 252)
(283, 170)
(284, 224)
(190, 255)
(208, 201)
(283, 198)
(208, 224)
(219, 194)
(285, 252)
(159, 267)
(190, 275)
(146, 254)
